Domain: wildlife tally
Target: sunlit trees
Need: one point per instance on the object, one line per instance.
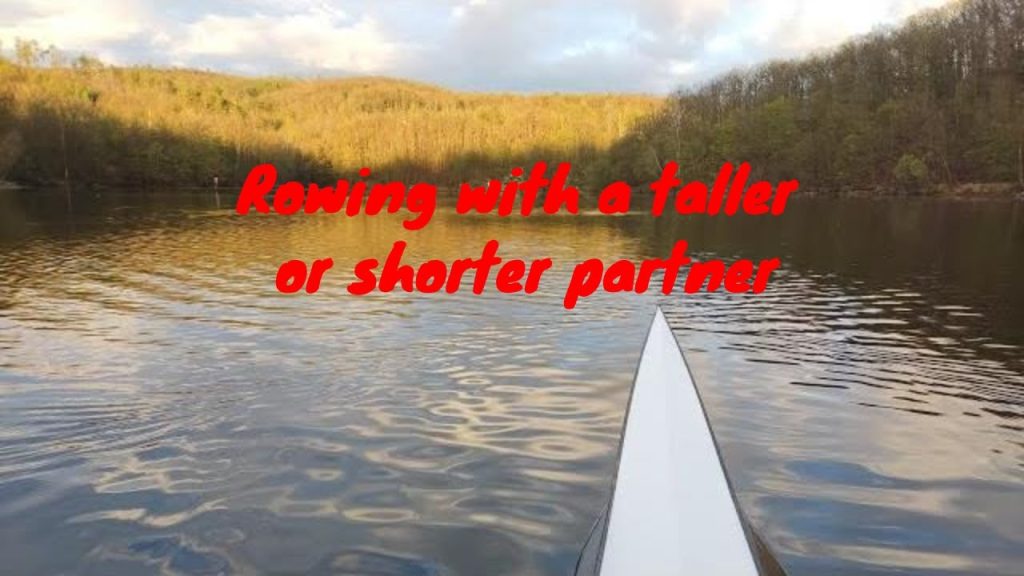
(151, 127)
(935, 103)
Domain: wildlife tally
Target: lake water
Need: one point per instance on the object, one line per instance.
(164, 410)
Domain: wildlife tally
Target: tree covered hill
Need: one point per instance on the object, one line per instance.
(934, 104)
(937, 103)
(155, 127)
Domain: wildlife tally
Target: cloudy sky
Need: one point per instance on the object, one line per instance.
(520, 45)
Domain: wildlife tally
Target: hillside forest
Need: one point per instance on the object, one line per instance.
(933, 105)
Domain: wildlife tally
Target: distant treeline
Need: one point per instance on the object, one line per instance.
(934, 104)
(99, 125)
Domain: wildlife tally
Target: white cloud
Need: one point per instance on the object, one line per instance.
(796, 26)
(312, 40)
(682, 68)
(71, 24)
(524, 45)
(460, 9)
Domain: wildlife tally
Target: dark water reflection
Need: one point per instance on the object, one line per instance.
(163, 410)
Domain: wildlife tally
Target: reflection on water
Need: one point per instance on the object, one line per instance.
(163, 409)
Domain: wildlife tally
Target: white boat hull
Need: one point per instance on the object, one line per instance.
(672, 511)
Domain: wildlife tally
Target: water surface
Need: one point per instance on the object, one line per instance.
(164, 410)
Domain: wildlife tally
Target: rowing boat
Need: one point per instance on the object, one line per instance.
(672, 510)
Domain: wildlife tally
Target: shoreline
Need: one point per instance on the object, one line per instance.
(967, 191)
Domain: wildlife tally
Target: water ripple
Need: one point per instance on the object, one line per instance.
(165, 411)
